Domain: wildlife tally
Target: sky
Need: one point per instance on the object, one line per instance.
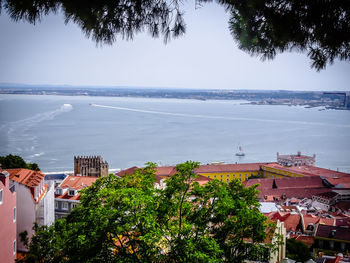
(206, 57)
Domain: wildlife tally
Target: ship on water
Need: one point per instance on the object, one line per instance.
(240, 152)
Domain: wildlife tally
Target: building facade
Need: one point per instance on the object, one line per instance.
(8, 219)
(93, 166)
(67, 194)
(34, 202)
(296, 159)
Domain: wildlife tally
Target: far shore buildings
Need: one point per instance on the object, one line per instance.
(296, 159)
(67, 194)
(90, 166)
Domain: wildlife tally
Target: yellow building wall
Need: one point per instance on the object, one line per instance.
(229, 176)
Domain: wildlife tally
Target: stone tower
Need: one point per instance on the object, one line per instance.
(90, 166)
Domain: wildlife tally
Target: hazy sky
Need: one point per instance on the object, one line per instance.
(206, 57)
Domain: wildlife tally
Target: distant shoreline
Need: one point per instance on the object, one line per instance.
(310, 99)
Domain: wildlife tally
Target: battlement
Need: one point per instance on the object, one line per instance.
(90, 166)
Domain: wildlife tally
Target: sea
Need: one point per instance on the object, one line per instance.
(50, 130)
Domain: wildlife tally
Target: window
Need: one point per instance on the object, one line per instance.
(71, 192)
(208, 176)
(74, 205)
(0, 196)
(221, 180)
(214, 176)
(227, 180)
(221, 176)
(228, 175)
(14, 247)
(64, 205)
(14, 214)
(240, 175)
(56, 204)
(59, 191)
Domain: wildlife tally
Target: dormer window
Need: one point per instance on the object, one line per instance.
(71, 192)
(59, 191)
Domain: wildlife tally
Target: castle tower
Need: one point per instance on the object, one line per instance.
(90, 166)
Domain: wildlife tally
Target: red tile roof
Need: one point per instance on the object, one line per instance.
(339, 232)
(310, 219)
(221, 168)
(308, 170)
(289, 193)
(291, 220)
(166, 170)
(130, 170)
(287, 183)
(27, 177)
(202, 179)
(77, 182)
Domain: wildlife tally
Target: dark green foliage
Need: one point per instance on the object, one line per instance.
(297, 250)
(14, 161)
(129, 220)
(321, 28)
(104, 20)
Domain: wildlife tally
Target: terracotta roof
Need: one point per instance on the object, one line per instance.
(310, 219)
(327, 221)
(289, 193)
(221, 168)
(27, 177)
(340, 233)
(342, 222)
(291, 220)
(77, 182)
(166, 170)
(202, 179)
(68, 197)
(307, 240)
(342, 181)
(288, 183)
(308, 170)
(130, 170)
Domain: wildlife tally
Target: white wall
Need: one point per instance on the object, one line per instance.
(49, 204)
(25, 213)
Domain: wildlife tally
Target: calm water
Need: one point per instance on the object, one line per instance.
(50, 130)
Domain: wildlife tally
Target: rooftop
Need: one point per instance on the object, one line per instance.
(77, 182)
(221, 168)
(309, 170)
(334, 232)
(27, 177)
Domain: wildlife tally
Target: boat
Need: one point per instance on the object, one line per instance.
(240, 151)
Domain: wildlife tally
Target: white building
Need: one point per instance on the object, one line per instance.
(67, 194)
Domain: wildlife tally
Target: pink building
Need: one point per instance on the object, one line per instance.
(35, 201)
(8, 218)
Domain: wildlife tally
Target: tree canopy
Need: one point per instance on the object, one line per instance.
(297, 250)
(264, 28)
(15, 161)
(130, 220)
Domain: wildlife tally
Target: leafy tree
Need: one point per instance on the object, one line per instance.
(321, 28)
(14, 161)
(297, 250)
(129, 220)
